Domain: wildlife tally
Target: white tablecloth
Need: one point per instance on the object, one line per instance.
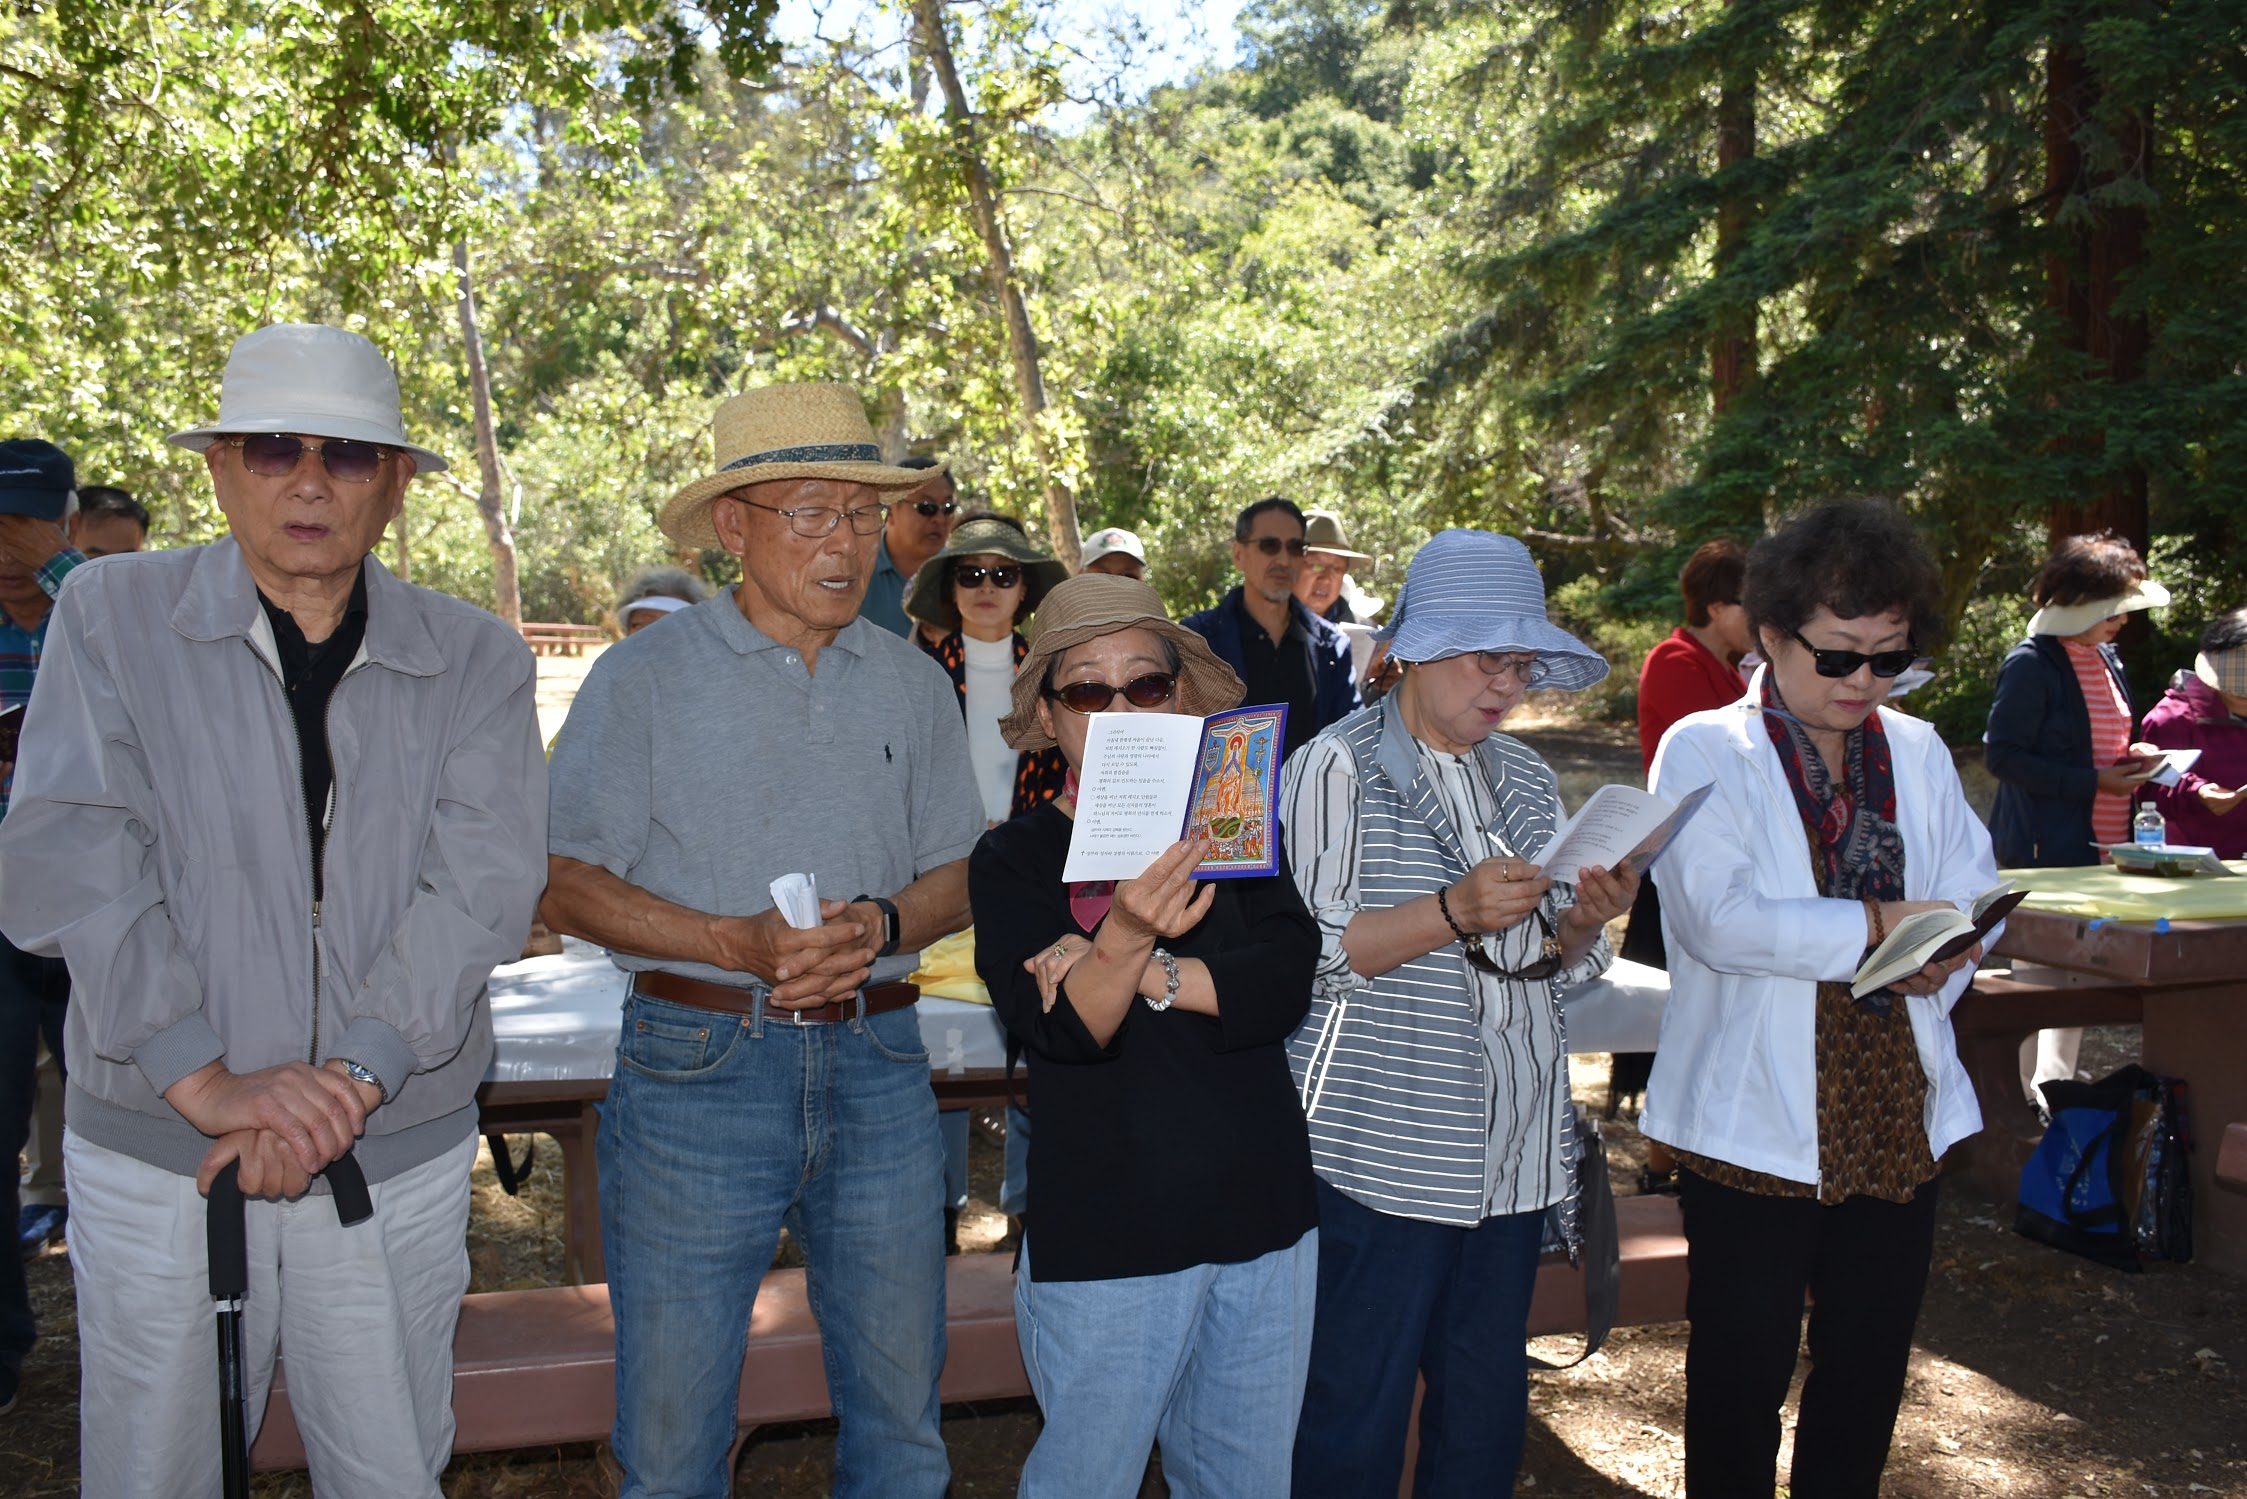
(556, 1018)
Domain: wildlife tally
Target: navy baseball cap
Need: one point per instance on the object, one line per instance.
(36, 478)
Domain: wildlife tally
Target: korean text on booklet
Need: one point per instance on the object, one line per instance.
(1617, 823)
(1150, 779)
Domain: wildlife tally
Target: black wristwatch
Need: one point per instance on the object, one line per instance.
(889, 923)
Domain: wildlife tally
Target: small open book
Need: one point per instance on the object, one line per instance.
(1614, 824)
(2166, 768)
(1150, 779)
(1933, 937)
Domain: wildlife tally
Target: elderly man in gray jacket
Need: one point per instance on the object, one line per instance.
(282, 814)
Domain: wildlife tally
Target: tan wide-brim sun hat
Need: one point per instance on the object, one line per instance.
(1089, 606)
(811, 430)
(929, 597)
(1322, 532)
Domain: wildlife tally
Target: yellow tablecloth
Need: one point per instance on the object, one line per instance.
(948, 970)
(2101, 891)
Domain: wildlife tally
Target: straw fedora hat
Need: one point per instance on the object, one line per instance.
(812, 430)
(1089, 606)
(929, 597)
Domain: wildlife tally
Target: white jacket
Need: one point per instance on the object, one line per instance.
(1749, 938)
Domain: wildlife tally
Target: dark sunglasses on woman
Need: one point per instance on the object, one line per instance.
(275, 455)
(1001, 577)
(1150, 691)
(1844, 663)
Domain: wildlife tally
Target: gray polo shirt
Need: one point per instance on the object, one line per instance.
(701, 762)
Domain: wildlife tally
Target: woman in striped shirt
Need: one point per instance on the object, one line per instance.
(2059, 737)
(1433, 1064)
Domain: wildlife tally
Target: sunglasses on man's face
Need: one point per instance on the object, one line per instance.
(1150, 691)
(1000, 577)
(934, 508)
(275, 455)
(1271, 546)
(1846, 663)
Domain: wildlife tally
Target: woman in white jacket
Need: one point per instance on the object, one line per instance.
(1809, 1125)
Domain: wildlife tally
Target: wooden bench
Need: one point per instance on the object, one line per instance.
(538, 1368)
(559, 639)
(1991, 1020)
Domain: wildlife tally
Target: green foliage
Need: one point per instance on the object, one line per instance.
(1427, 264)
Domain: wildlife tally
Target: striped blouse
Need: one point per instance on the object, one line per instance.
(2110, 737)
(1434, 1091)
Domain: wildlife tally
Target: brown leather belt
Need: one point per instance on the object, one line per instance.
(725, 998)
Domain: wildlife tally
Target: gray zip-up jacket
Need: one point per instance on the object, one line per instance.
(157, 841)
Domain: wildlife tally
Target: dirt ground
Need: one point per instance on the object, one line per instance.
(2034, 1374)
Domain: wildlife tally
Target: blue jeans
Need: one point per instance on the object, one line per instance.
(34, 992)
(1014, 1181)
(718, 1130)
(1399, 1297)
(1210, 1361)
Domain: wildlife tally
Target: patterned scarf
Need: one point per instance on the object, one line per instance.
(1856, 850)
(1088, 899)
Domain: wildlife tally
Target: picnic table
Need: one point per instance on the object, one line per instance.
(2095, 946)
(554, 1025)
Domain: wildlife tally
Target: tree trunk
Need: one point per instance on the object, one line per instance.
(1732, 353)
(2086, 272)
(507, 594)
(1022, 340)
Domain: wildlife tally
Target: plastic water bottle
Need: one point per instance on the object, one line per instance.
(2148, 825)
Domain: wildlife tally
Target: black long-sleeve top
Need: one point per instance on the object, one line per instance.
(1181, 1142)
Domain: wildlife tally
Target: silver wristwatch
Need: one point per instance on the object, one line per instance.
(1170, 982)
(360, 1074)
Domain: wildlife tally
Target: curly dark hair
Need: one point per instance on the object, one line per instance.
(1712, 575)
(2098, 565)
(2226, 632)
(1851, 557)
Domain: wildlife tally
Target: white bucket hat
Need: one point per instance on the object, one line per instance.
(311, 379)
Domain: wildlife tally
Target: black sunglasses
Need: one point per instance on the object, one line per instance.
(1270, 545)
(1845, 663)
(1149, 691)
(933, 507)
(275, 455)
(1545, 965)
(1005, 576)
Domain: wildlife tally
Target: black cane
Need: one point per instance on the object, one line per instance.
(229, 1252)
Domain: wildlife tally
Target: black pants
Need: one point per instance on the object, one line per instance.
(33, 994)
(1751, 1258)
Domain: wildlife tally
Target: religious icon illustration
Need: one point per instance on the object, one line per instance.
(1236, 788)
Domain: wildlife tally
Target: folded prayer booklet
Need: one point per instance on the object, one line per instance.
(1614, 824)
(1933, 937)
(2166, 768)
(1150, 779)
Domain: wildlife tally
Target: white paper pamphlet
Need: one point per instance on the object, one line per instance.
(796, 898)
(1150, 779)
(2168, 768)
(1617, 823)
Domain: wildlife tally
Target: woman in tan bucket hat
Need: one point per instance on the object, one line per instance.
(1169, 1270)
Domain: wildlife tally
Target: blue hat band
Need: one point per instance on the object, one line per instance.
(818, 452)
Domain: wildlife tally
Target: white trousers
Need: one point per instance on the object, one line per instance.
(366, 1314)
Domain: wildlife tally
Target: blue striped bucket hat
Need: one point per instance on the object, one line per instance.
(1479, 591)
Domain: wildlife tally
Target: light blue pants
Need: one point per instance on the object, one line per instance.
(1210, 1361)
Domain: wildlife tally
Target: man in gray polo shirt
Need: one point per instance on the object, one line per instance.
(768, 1075)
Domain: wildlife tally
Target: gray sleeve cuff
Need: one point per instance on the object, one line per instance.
(186, 1045)
(377, 1046)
